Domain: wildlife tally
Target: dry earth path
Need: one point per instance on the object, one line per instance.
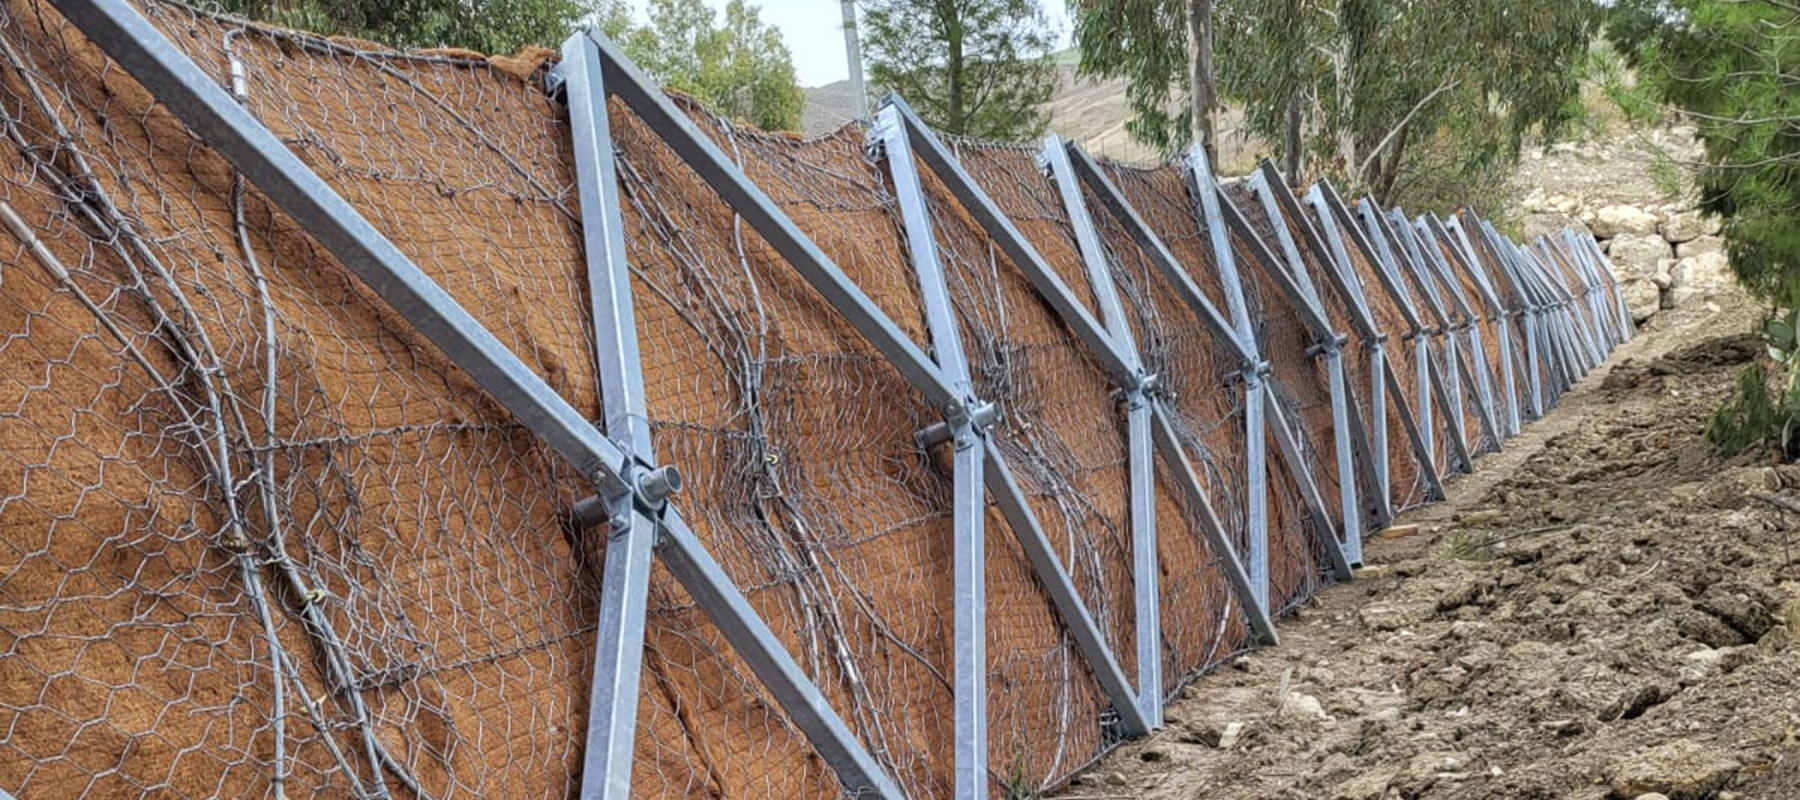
(1603, 610)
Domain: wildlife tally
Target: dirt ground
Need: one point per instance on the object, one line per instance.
(1603, 610)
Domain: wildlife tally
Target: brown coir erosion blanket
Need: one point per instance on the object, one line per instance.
(258, 536)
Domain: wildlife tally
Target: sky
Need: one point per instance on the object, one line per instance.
(814, 32)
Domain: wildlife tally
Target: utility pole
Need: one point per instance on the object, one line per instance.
(859, 95)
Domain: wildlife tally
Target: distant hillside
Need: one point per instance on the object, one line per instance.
(1088, 111)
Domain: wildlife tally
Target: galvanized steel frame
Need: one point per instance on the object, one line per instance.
(1337, 223)
(1169, 447)
(1471, 263)
(633, 490)
(1263, 414)
(625, 483)
(1432, 384)
(1435, 241)
(1349, 439)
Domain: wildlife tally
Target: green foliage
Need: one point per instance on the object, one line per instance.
(1758, 413)
(1734, 69)
(971, 67)
(1145, 42)
(487, 26)
(1392, 95)
(741, 68)
(1749, 419)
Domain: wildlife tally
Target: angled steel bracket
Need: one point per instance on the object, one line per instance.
(1421, 245)
(1072, 168)
(1264, 415)
(1279, 203)
(1526, 311)
(1168, 443)
(1055, 159)
(1471, 263)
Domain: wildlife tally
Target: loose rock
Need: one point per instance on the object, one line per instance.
(1681, 769)
(1613, 221)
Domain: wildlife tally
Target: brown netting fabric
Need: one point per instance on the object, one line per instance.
(259, 538)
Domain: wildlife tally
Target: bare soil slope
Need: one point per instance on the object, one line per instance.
(1604, 610)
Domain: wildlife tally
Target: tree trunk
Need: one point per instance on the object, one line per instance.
(956, 105)
(1389, 174)
(1290, 149)
(1205, 85)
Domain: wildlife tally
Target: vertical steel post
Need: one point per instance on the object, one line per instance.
(1471, 265)
(970, 667)
(1330, 347)
(1055, 158)
(635, 527)
(1168, 445)
(1338, 223)
(625, 584)
(1434, 241)
(1256, 497)
(897, 132)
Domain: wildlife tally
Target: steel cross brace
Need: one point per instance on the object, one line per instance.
(1580, 337)
(1412, 252)
(1000, 229)
(1280, 204)
(1072, 168)
(894, 138)
(1283, 428)
(1336, 223)
(1615, 296)
(1348, 437)
(1627, 328)
(1601, 327)
(1263, 413)
(1558, 328)
(1599, 288)
(1471, 263)
(1470, 366)
(1138, 404)
(1552, 325)
(1405, 263)
(1435, 242)
(1527, 311)
(1432, 384)
(1587, 338)
(612, 718)
(1168, 443)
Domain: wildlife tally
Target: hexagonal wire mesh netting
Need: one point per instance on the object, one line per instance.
(259, 537)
